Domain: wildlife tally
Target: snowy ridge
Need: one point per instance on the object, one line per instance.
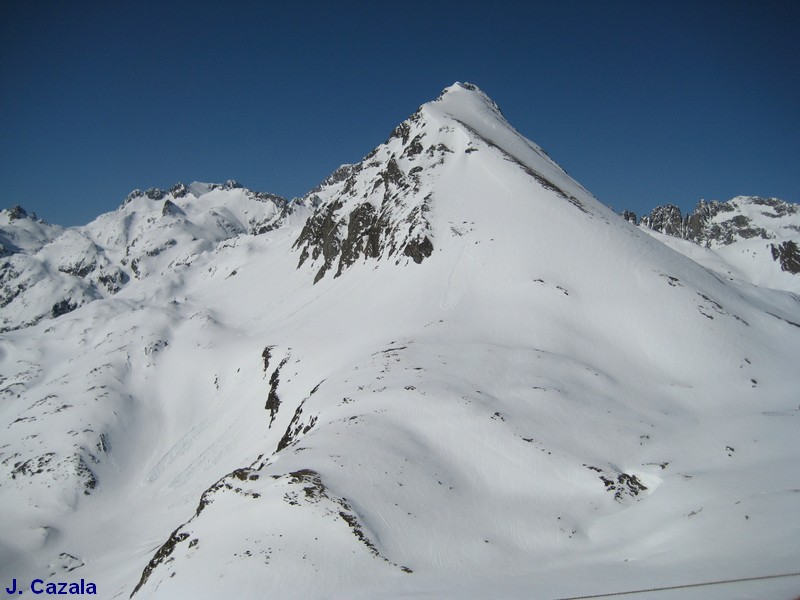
(542, 401)
(468, 105)
(48, 271)
(21, 232)
(747, 238)
(379, 207)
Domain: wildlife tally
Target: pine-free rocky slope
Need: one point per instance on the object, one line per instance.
(448, 372)
(747, 238)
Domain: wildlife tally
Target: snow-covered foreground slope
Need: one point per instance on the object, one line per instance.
(462, 376)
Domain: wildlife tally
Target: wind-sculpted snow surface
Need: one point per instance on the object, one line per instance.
(549, 403)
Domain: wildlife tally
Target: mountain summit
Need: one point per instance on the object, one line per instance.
(447, 372)
(380, 207)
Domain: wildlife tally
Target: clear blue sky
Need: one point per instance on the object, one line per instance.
(642, 102)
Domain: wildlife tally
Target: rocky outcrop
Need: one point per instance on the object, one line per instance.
(665, 219)
(716, 223)
(16, 212)
(373, 210)
(788, 256)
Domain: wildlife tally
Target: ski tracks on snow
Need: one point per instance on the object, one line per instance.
(458, 279)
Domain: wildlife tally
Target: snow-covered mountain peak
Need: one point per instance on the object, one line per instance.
(461, 97)
(21, 231)
(383, 207)
(195, 189)
(508, 385)
(471, 108)
(772, 208)
(14, 213)
(51, 270)
(199, 188)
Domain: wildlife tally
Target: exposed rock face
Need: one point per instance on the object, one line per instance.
(319, 237)
(179, 190)
(742, 219)
(170, 208)
(375, 209)
(665, 219)
(63, 307)
(339, 175)
(721, 223)
(16, 212)
(788, 255)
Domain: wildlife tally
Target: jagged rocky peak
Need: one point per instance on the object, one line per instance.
(718, 223)
(339, 175)
(468, 90)
(665, 219)
(379, 208)
(23, 231)
(152, 193)
(196, 189)
(16, 212)
(171, 209)
(741, 220)
(179, 190)
(230, 184)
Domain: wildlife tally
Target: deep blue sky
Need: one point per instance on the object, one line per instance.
(642, 102)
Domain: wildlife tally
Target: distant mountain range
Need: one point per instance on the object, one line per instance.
(749, 238)
(50, 270)
(47, 270)
(448, 371)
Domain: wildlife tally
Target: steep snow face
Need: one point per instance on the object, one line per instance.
(379, 208)
(747, 238)
(549, 403)
(48, 271)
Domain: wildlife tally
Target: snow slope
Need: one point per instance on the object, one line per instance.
(460, 376)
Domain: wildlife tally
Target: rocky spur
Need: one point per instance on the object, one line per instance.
(38, 586)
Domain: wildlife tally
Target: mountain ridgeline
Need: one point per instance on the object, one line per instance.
(448, 371)
(715, 224)
(374, 209)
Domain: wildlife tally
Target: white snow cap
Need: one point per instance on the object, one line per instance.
(459, 87)
(466, 95)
